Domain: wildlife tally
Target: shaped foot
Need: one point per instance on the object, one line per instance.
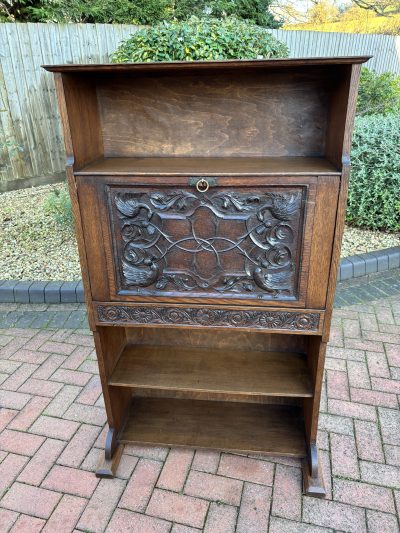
(313, 482)
(110, 458)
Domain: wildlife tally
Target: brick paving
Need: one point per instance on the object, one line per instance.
(52, 430)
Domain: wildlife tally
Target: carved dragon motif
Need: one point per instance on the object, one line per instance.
(265, 249)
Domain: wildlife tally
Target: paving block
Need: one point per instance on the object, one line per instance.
(383, 260)
(371, 263)
(21, 292)
(394, 257)
(68, 292)
(52, 292)
(346, 269)
(358, 265)
(36, 292)
(7, 291)
(80, 296)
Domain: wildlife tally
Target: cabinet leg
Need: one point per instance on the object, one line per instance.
(111, 456)
(313, 483)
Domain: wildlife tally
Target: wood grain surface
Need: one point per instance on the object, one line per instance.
(212, 370)
(268, 429)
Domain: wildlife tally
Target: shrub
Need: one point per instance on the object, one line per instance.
(198, 39)
(374, 194)
(378, 93)
(256, 11)
(134, 11)
(58, 205)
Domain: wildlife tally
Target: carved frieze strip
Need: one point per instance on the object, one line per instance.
(260, 319)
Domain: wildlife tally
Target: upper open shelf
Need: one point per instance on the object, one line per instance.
(289, 116)
(274, 166)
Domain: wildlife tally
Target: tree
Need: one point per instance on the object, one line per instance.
(380, 7)
(135, 11)
(321, 12)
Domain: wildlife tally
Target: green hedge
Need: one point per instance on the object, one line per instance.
(374, 194)
(200, 39)
(378, 93)
(134, 11)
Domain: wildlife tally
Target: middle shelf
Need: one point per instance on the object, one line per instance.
(190, 369)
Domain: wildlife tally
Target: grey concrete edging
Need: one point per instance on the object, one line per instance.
(12, 291)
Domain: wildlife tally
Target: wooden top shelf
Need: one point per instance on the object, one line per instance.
(233, 63)
(213, 371)
(274, 166)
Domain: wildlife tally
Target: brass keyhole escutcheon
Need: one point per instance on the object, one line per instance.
(202, 185)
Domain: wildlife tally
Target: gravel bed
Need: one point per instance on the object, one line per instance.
(33, 246)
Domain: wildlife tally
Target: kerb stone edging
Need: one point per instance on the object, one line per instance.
(55, 292)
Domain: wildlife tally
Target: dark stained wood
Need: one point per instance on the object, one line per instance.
(217, 348)
(249, 428)
(217, 244)
(107, 467)
(313, 486)
(109, 343)
(225, 339)
(204, 65)
(222, 114)
(209, 166)
(62, 104)
(264, 319)
(322, 239)
(212, 370)
(91, 230)
(341, 210)
(218, 396)
(81, 121)
(315, 360)
(240, 244)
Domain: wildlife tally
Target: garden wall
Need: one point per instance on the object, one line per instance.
(30, 131)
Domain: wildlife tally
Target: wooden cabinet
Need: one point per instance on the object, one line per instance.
(209, 201)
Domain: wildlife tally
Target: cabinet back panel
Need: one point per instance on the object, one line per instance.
(234, 340)
(227, 113)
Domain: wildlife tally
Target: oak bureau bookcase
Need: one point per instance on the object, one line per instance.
(209, 202)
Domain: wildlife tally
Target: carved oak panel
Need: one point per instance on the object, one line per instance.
(206, 317)
(231, 243)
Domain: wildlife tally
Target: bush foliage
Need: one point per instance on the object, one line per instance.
(378, 93)
(199, 39)
(374, 194)
(134, 11)
(58, 204)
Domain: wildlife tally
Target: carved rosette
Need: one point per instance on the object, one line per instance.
(225, 242)
(190, 316)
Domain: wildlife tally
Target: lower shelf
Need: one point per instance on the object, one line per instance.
(245, 427)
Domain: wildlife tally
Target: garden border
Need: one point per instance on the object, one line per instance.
(55, 292)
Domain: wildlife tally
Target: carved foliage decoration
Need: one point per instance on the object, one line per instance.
(221, 242)
(276, 320)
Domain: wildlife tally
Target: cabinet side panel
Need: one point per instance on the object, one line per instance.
(337, 245)
(74, 197)
(322, 240)
(341, 115)
(341, 212)
(88, 193)
(109, 344)
(316, 360)
(85, 142)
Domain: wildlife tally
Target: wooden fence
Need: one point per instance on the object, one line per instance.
(30, 133)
